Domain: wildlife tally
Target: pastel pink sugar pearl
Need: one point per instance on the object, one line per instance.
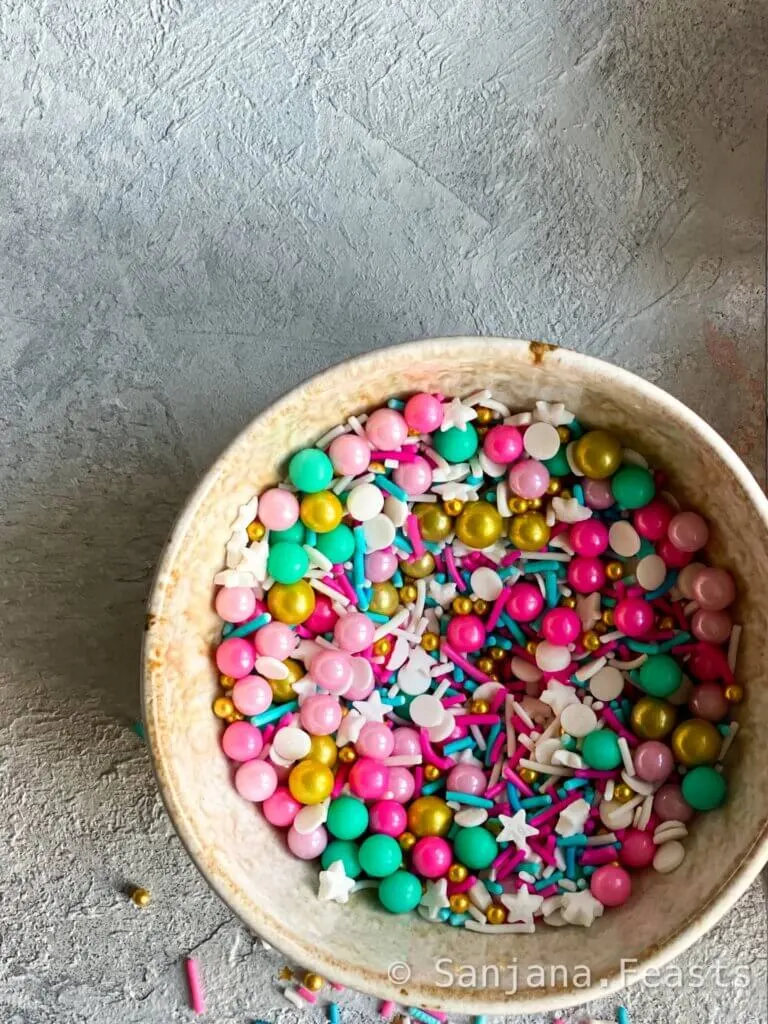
(589, 537)
(369, 779)
(388, 817)
(423, 412)
(350, 454)
(235, 657)
(529, 479)
(375, 740)
(654, 761)
(406, 741)
(466, 633)
(275, 640)
(354, 632)
(669, 804)
(320, 714)
(431, 857)
(386, 429)
(414, 477)
(637, 849)
(525, 602)
(652, 520)
(252, 695)
(235, 604)
(633, 616)
(585, 574)
(280, 809)
(598, 494)
(307, 845)
(380, 566)
(241, 741)
(466, 778)
(256, 781)
(688, 531)
(278, 509)
(503, 444)
(333, 670)
(611, 885)
(363, 681)
(323, 618)
(561, 626)
(714, 589)
(714, 627)
(401, 784)
(708, 701)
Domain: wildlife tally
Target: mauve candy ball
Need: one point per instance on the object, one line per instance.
(332, 670)
(349, 454)
(235, 604)
(241, 741)
(503, 444)
(369, 779)
(414, 477)
(375, 740)
(400, 784)
(598, 494)
(235, 657)
(669, 805)
(712, 627)
(706, 663)
(354, 632)
(524, 602)
(431, 857)
(714, 589)
(529, 479)
(637, 848)
(673, 557)
(688, 531)
(278, 509)
(652, 520)
(467, 778)
(307, 845)
(686, 577)
(363, 680)
(406, 741)
(387, 817)
(653, 761)
(380, 566)
(611, 885)
(708, 702)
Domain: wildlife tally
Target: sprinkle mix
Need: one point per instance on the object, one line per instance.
(474, 661)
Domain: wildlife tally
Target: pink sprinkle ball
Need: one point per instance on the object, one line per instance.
(235, 657)
(388, 817)
(363, 680)
(278, 509)
(468, 779)
(598, 494)
(466, 633)
(686, 577)
(525, 602)
(589, 537)
(307, 845)
(406, 741)
(585, 574)
(652, 520)
(688, 531)
(673, 557)
(431, 856)
(653, 761)
(423, 412)
(252, 695)
(503, 444)
(350, 454)
(241, 741)
(369, 779)
(561, 626)
(332, 670)
(611, 885)
(354, 632)
(708, 701)
(633, 617)
(713, 627)
(256, 780)
(670, 805)
(375, 740)
(323, 618)
(637, 849)
(386, 429)
(529, 479)
(320, 714)
(380, 566)
(401, 785)
(706, 663)
(714, 589)
(280, 809)
(235, 604)
(275, 640)
(414, 477)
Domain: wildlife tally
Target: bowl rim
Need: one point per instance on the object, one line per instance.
(472, 1001)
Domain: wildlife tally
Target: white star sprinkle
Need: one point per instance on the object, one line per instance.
(521, 905)
(304, 688)
(443, 593)
(456, 414)
(554, 413)
(581, 908)
(588, 609)
(451, 490)
(516, 830)
(559, 696)
(254, 559)
(414, 677)
(570, 511)
(335, 884)
(349, 730)
(434, 899)
(234, 578)
(236, 545)
(573, 819)
(372, 709)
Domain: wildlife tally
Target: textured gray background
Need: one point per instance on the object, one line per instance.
(203, 203)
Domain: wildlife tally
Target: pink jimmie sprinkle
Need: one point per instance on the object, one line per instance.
(343, 584)
(418, 778)
(340, 780)
(517, 782)
(471, 671)
(598, 855)
(497, 609)
(497, 747)
(450, 568)
(464, 886)
(477, 719)
(306, 995)
(508, 866)
(509, 558)
(405, 455)
(387, 1009)
(414, 535)
(616, 725)
(445, 763)
(437, 1013)
(196, 994)
(494, 790)
(551, 890)
(554, 809)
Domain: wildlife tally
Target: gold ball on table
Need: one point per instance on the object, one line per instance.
(607, 616)
(564, 434)
(227, 682)
(141, 897)
(497, 653)
(535, 504)
(528, 775)
(321, 512)
(419, 568)
(652, 718)
(531, 645)
(696, 742)
(517, 504)
(478, 707)
(313, 982)
(554, 486)
(385, 599)
(256, 531)
(347, 755)
(529, 531)
(568, 602)
(382, 647)
(485, 415)
(485, 665)
(591, 641)
(434, 522)
(429, 816)
(622, 793)
(597, 454)
(479, 606)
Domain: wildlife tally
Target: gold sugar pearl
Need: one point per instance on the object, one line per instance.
(734, 693)
(453, 506)
(407, 840)
(223, 707)
(666, 622)
(614, 571)
(141, 897)
(568, 602)
(459, 903)
(564, 434)
(554, 486)
(497, 653)
(485, 415)
(461, 605)
(286, 974)
(236, 716)
(479, 606)
(457, 873)
(431, 772)
(227, 682)
(535, 503)
(531, 646)
(347, 755)
(495, 914)
(383, 646)
(528, 775)
(622, 793)
(591, 641)
(313, 982)
(600, 628)
(408, 593)
(517, 504)
(256, 530)
(485, 665)
(565, 494)
(377, 467)
(478, 707)
(430, 641)
(607, 616)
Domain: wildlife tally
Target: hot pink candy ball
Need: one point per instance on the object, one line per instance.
(503, 444)
(414, 477)
(466, 633)
(252, 695)
(350, 454)
(672, 556)
(323, 618)
(589, 537)
(278, 509)
(714, 589)
(354, 632)
(307, 845)
(406, 741)
(256, 780)
(598, 494)
(241, 741)
(706, 663)
(386, 429)
(653, 761)
(561, 626)
(333, 670)
(423, 412)
(670, 805)
(400, 785)
(363, 681)
(431, 857)
(467, 778)
(708, 701)
(524, 602)
(688, 531)
(611, 885)
(275, 640)
(633, 616)
(375, 740)
(387, 817)
(529, 479)
(586, 575)
(714, 627)
(637, 849)
(235, 657)
(369, 779)
(235, 604)
(320, 714)
(380, 566)
(652, 520)
(280, 808)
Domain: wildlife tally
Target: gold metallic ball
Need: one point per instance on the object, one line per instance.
(564, 434)
(296, 670)
(291, 603)
(321, 511)
(453, 506)
(529, 531)
(528, 775)
(419, 568)
(223, 707)
(227, 682)
(494, 676)
(495, 914)
(531, 646)
(434, 522)
(429, 816)
(497, 653)
(568, 602)
(591, 640)
(461, 605)
(535, 504)
(485, 415)
(478, 707)
(377, 467)
(407, 840)
(324, 750)
(607, 617)
(517, 504)
(408, 593)
(479, 606)
(696, 742)
(256, 530)
(313, 982)
(141, 897)
(652, 719)
(310, 782)
(554, 485)
(485, 665)
(666, 622)
(385, 599)
(236, 716)
(430, 641)
(622, 793)
(347, 755)
(459, 903)
(597, 454)
(734, 693)
(479, 525)
(482, 431)
(457, 873)
(282, 690)
(600, 628)
(614, 571)
(383, 646)
(431, 772)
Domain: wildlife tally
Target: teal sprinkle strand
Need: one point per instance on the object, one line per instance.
(251, 627)
(273, 714)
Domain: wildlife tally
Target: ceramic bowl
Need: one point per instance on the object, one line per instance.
(245, 860)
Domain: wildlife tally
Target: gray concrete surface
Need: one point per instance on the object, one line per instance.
(203, 203)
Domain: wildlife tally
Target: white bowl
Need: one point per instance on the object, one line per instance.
(244, 858)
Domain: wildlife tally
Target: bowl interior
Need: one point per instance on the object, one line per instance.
(244, 858)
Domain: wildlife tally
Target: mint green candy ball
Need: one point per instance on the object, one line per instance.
(633, 486)
(600, 749)
(400, 892)
(704, 788)
(310, 470)
(293, 535)
(346, 852)
(347, 817)
(456, 445)
(380, 856)
(475, 847)
(337, 545)
(287, 562)
(660, 675)
(558, 464)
